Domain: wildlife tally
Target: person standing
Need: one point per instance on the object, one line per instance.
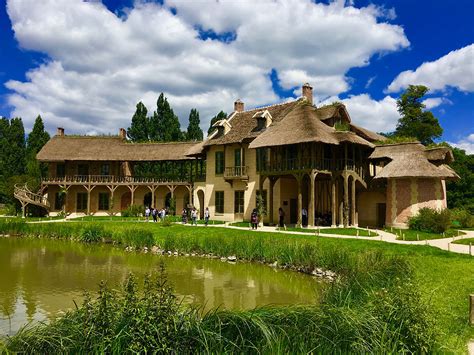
(184, 216)
(154, 214)
(194, 216)
(254, 219)
(147, 213)
(206, 216)
(281, 217)
(304, 217)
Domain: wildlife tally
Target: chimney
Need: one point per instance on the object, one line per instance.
(238, 106)
(308, 92)
(60, 131)
(122, 133)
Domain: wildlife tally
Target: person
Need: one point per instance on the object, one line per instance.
(206, 216)
(147, 213)
(281, 217)
(162, 214)
(254, 219)
(184, 216)
(154, 214)
(194, 216)
(304, 217)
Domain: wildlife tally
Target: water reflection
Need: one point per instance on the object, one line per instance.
(40, 278)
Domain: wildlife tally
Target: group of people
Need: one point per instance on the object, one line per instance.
(155, 214)
(194, 216)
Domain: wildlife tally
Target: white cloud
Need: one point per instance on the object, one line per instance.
(100, 65)
(433, 102)
(455, 69)
(466, 144)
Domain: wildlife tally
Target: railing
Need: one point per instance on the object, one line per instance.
(236, 172)
(23, 194)
(109, 179)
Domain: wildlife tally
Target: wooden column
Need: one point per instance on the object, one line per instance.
(112, 189)
(270, 197)
(152, 188)
(333, 203)
(353, 203)
(311, 210)
(132, 189)
(299, 180)
(89, 189)
(345, 206)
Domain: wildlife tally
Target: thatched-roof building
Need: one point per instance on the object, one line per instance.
(309, 165)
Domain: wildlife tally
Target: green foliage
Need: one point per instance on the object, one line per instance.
(172, 206)
(431, 220)
(462, 218)
(92, 233)
(138, 131)
(261, 208)
(414, 121)
(134, 237)
(342, 126)
(37, 138)
(133, 211)
(460, 193)
(164, 124)
(194, 132)
(220, 116)
(392, 139)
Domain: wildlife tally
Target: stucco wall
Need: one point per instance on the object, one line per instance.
(367, 207)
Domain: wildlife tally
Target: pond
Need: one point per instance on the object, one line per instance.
(39, 278)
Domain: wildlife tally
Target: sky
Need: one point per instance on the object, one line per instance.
(84, 65)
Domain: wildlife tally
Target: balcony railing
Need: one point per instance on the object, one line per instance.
(110, 179)
(236, 172)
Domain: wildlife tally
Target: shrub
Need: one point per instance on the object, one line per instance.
(135, 237)
(462, 218)
(166, 222)
(91, 234)
(431, 220)
(133, 211)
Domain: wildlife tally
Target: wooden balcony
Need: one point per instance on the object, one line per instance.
(111, 180)
(236, 173)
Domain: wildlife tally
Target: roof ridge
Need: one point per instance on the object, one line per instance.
(269, 106)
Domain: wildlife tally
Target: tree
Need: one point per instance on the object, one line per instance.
(414, 121)
(194, 132)
(138, 131)
(164, 124)
(16, 149)
(157, 120)
(37, 138)
(461, 192)
(220, 116)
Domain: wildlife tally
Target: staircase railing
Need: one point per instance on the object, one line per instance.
(25, 196)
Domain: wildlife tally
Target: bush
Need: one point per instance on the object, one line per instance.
(462, 218)
(91, 234)
(431, 220)
(135, 237)
(133, 211)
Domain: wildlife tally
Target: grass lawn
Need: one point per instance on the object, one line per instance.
(340, 231)
(465, 241)
(409, 234)
(444, 278)
(133, 219)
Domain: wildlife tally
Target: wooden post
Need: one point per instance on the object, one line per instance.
(299, 179)
(312, 177)
(270, 197)
(353, 203)
(333, 203)
(345, 207)
(471, 309)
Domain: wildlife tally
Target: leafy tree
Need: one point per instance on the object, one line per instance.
(461, 192)
(415, 122)
(138, 131)
(194, 132)
(220, 116)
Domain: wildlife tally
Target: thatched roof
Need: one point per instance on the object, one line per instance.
(409, 160)
(440, 154)
(366, 134)
(90, 148)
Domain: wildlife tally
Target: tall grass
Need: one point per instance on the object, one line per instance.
(388, 319)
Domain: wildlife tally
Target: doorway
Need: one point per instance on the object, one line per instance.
(381, 211)
(125, 200)
(293, 211)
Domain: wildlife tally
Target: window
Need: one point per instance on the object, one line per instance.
(219, 163)
(104, 201)
(239, 202)
(237, 157)
(264, 196)
(105, 169)
(58, 201)
(81, 201)
(261, 159)
(60, 170)
(83, 169)
(219, 195)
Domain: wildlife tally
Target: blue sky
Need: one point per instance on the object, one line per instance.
(85, 65)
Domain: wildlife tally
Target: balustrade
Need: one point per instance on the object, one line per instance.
(236, 172)
(110, 179)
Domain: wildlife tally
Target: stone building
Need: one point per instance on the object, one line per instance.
(295, 155)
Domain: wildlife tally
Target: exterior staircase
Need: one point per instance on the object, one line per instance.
(26, 197)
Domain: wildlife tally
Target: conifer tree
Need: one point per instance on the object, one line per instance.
(15, 157)
(37, 138)
(171, 126)
(194, 132)
(138, 131)
(220, 116)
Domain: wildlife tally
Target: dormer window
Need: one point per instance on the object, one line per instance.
(222, 126)
(264, 119)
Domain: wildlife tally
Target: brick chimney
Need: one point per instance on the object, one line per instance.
(60, 131)
(123, 133)
(308, 92)
(238, 106)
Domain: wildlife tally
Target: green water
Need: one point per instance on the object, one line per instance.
(39, 278)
